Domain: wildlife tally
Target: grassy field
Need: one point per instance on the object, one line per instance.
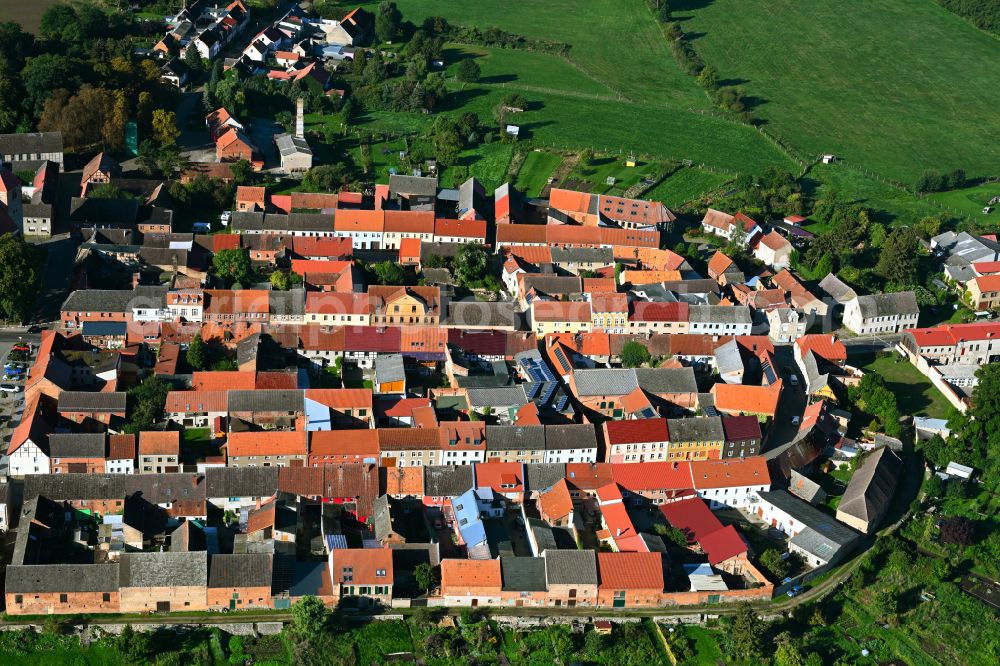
(896, 86)
(970, 201)
(686, 184)
(890, 204)
(914, 392)
(534, 173)
(618, 91)
(28, 13)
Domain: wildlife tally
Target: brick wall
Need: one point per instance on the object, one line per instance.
(51, 602)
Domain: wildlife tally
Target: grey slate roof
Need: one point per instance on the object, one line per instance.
(696, 429)
(822, 536)
(605, 381)
(164, 488)
(91, 401)
(728, 358)
(241, 481)
(837, 289)
(282, 400)
(888, 305)
(76, 486)
(447, 480)
(553, 284)
(31, 143)
(99, 300)
(542, 476)
(76, 445)
(570, 436)
(515, 438)
(720, 314)
(389, 368)
(165, 569)
(417, 185)
(869, 492)
(805, 488)
(667, 380)
(246, 351)
(480, 313)
(501, 396)
(38, 578)
(583, 255)
(522, 574)
(246, 570)
(570, 567)
(247, 221)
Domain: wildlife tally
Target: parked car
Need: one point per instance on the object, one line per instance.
(796, 419)
(794, 380)
(9, 388)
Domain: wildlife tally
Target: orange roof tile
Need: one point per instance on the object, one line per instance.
(648, 277)
(427, 339)
(460, 228)
(360, 443)
(602, 302)
(630, 571)
(121, 447)
(159, 443)
(823, 345)
(184, 402)
(588, 476)
(501, 477)
(477, 574)
(599, 285)
(342, 398)
(650, 258)
(361, 566)
(404, 481)
(267, 443)
(303, 266)
(556, 503)
(223, 380)
(747, 399)
(570, 200)
(336, 303)
(351, 220)
(409, 222)
(508, 234)
(730, 473)
(409, 249)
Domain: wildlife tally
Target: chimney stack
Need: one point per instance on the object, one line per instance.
(300, 123)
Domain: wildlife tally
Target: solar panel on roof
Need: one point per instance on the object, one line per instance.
(768, 371)
(336, 541)
(711, 411)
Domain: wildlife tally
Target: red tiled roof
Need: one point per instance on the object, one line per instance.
(722, 544)
(638, 477)
(825, 346)
(637, 431)
(731, 473)
(719, 264)
(306, 246)
(532, 254)
(986, 267)
(694, 518)
(409, 249)
(630, 571)
(222, 242)
(609, 302)
(987, 282)
(404, 481)
(952, 334)
(336, 303)
(636, 211)
(223, 380)
(276, 379)
(479, 574)
(306, 481)
(342, 398)
(425, 339)
(747, 399)
(159, 443)
(409, 439)
(181, 402)
(267, 443)
(775, 241)
(656, 311)
(565, 234)
(497, 475)
(460, 228)
(520, 233)
(362, 565)
(629, 237)
(121, 447)
(362, 443)
(588, 476)
(400, 407)
(409, 221)
(559, 311)
(556, 503)
(351, 220)
(741, 428)
(570, 200)
(599, 285)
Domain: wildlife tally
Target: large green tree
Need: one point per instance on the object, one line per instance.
(20, 277)
(388, 21)
(747, 632)
(233, 265)
(634, 354)
(898, 260)
(146, 403)
(472, 265)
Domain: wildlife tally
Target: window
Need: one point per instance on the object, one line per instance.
(347, 573)
(380, 573)
(106, 597)
(18, 599)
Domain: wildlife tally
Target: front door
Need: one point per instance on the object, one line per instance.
(162, 606)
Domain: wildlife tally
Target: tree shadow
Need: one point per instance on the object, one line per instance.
(732, 82)
(498, 78)
(689, 5)
(457, 99)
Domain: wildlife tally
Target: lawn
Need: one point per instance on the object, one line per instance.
(970, 201)
(914, 392)
(686, 185)
(28, 14)
(376, 640)
(593, 177)
(534, 173)
(895, 87)
(706, 644)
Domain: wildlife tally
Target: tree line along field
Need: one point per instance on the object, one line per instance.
(895, 87)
